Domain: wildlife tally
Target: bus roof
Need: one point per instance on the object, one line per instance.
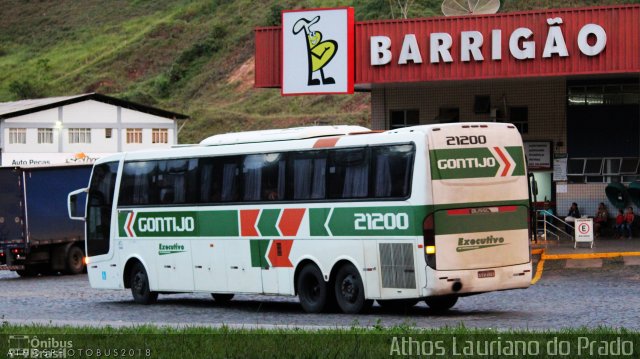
(304, 138)
(284, 134)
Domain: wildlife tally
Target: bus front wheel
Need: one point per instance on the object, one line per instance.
(349, 291)
(140, 286)
(312, 289)
(441, 304)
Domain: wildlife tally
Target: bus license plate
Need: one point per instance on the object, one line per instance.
(487, 274)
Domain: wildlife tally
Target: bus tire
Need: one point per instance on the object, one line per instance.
(441, 303)
(312, 289)
(140, 286)
(74, 260)
(397, 305)
(222, 298)
(349, 291)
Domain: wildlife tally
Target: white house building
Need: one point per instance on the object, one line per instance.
(80, 129)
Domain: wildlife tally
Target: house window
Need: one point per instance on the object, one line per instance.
(45, 135)
(159, 135)
(79, 135)
(17, 135)
(107, 132)
(519, 116)
(134, 135)
(404, 118)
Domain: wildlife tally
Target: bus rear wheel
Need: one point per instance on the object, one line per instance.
(222, 298)
(442, 303)
(140, 286)
(349, 291)
(312, 289)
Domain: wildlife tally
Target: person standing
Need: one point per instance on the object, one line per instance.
(620, 224)
(629, 217)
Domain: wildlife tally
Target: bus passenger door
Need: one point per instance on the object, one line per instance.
(102, 258)
(209, 265)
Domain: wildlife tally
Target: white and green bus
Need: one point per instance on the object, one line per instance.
(337, 215)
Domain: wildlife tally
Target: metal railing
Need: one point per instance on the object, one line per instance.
(551, 227)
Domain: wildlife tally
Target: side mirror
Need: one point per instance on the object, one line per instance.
(76, 204)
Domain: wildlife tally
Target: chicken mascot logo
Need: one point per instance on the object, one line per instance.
(319, 52)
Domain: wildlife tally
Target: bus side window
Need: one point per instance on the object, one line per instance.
(219, 179)
(138, 183)
(392, 170)
(263, 177)
(306, 176)
(348, 175)
(177, 181)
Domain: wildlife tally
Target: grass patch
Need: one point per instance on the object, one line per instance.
(354, 342)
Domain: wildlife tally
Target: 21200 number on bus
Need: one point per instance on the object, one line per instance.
(380, 221)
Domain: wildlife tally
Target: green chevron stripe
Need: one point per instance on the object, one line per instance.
(258, 249)
(267, 223)
(517, 153)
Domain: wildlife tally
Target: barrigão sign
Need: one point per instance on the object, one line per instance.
(591, 41)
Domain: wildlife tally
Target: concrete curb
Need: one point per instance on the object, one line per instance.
(577, 256)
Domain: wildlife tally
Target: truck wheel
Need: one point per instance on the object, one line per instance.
(312, 289)
(222, 298)
(442, 303)
(74, 263)
(349, 291)
(140, 286)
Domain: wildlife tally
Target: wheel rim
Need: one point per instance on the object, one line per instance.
(76, 260)
(349, 288)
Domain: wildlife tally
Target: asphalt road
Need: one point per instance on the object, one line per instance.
(562, 298)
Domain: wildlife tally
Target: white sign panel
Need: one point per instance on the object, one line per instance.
(584, 230)
(560, 169)
(317, 51)
(49, 159)
(538, 155)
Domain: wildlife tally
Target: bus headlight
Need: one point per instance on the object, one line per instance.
(430, 250)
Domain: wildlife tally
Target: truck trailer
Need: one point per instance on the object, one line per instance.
(36, 234)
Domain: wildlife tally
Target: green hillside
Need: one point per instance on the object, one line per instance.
(193, 57)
